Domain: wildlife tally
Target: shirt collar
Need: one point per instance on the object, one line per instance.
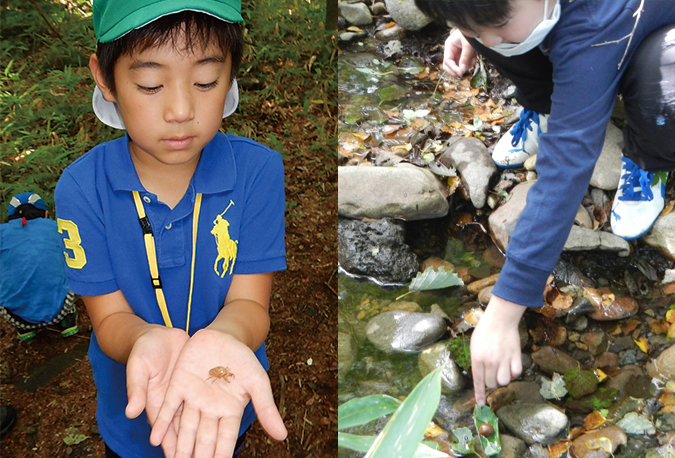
(215, 173)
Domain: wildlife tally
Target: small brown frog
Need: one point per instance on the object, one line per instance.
(221, 372)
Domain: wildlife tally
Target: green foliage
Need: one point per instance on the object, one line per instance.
(459, 346)
(580, 382)
(554, 388)
(402, 434)
(492, 444)
(288, 87)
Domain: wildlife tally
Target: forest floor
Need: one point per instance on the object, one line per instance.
(49, 380)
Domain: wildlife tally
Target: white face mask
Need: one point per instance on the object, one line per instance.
(535, 38)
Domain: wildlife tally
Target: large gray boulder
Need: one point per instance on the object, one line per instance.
(404, 191)
(406, 14)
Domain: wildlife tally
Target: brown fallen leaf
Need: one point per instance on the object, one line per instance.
(594, 420)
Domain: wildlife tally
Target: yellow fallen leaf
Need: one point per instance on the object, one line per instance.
(671, 331)
(433, 430)
(558, 450)
(600, 443)
(670, 316)
(601, 375)
(643, 344)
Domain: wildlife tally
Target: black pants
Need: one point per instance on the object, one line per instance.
(237, 447)
(647, 87)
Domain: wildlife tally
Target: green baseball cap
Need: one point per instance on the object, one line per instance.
(114, 18)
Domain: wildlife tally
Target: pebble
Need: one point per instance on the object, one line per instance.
(550, 360)
(477, 286)
(615, 435)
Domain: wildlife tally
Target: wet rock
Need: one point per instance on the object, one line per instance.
(530, 163)
(405, 332)
(596, 342)
(475, 166)
(583, 239)
(475, 287)
(539, 423)
(606, 359)
(436, 263)
(526, 391)
(406, 14)
(378, 8)
(390, 33)
(355, 13)
(503, 220)
(663, 366)
(376, 250)
(631, 381)
(346, 353)
(501, 397)
(531, 176)
(581, 449)
(405, 306)
(662, 235)
(609, 307)
(567, 273)
(607, 171)
(438, 355)
(583, 219)
(550, 360)
(621, 343)
(485, 295)
(495, 258)
(512, 447)
(668, 276)
(599, 198)
(404, 191)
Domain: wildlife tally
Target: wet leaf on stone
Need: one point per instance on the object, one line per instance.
(594, 420)
(439, 168)
(554, 388)
(636, 424)
(580, 382)
(390, 93)
(492, 444)
(464, 444)
(603, 443)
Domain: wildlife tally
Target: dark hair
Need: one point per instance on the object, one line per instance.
(466, 14)
(28, 211)
(200, 30)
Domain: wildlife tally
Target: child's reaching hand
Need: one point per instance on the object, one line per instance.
(495, 347)
(207, 410)
(459, 56)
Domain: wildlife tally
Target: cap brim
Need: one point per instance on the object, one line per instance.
(109, 114)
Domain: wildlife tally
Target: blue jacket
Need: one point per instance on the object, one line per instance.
(586, 79)
(33, 281)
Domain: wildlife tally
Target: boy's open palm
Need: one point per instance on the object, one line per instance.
(201, 414)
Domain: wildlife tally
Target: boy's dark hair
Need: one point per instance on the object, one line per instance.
(466, 14)
(200, 30)
(28, 211)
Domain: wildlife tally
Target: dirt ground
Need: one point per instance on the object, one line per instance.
(49, 381)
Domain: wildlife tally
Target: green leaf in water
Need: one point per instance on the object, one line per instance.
(391, 93)
(464, 444)
(405, 429)
(359, 411)
(554, 388)
(580, 382)
(409, 115)
(633, 423)
(492, 444)
(479, 78)
(363, 443)
(435, 279)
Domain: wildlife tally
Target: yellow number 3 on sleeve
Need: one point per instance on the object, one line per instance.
(72, 243)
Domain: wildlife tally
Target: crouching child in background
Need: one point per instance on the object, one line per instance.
(34, 289)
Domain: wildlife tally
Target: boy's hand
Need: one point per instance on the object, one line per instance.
(495, 347)
(149, 369)
(208, 410)
(459, 56)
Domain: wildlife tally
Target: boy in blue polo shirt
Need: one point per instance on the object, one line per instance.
(171, 235)
(34, 289)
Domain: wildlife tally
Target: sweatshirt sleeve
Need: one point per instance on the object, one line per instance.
(586, 79)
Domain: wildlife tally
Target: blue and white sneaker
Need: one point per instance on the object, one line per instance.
(521, 141)
(639, 200)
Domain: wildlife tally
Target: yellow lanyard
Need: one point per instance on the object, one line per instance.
(151, 252)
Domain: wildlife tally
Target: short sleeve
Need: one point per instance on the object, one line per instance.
(81, 224)
(261, 237)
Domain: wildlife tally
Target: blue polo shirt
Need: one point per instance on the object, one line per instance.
(241, 230)
(33, 282)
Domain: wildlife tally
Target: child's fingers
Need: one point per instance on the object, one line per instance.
(189, 425)
(137, 389)
(504, 373)
(228, 431)
(516, 367)
(172, 403)
(478, 383)
(266, 409)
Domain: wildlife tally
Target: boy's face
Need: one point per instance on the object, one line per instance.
(525, 16)
(171, 99)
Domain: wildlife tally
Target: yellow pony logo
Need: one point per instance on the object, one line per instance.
(227, 248)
